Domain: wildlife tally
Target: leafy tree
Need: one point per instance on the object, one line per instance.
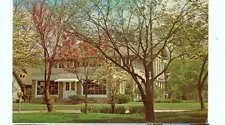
(25, 49)
(133, 32)
(185, 74)
(192, 40)
(24, 41)
(116, 81)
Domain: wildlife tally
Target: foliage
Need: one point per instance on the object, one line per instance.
(136, 109)
(158, 92)
(183, 78)
(49, 26)
(116, 80)
(76, 97)
(27, 95)
(122, 98)
(168, 101)
(134, 31)
(25, 49)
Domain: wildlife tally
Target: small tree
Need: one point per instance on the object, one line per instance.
(48, 20)
(116, 82)
(82, 60)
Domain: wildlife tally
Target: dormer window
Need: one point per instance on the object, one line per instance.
(22, 76)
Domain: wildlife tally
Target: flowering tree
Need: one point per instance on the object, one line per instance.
(82, 60)
(48, 21)
(25, 49)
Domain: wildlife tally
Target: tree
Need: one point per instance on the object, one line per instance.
(48, 20)
(25, 49)
(192, 40)
(82, 60)
(184, 76)
(115, 79)
(132, 30)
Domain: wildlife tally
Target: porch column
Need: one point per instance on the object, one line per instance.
(33, 90)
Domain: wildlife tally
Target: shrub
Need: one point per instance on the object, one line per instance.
(136, 109)
(176, 101)
(121, 99)
(76, 99)
(105, 109)
(120, 110)
(168, 101)
(97, 109)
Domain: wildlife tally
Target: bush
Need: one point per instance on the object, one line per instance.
(121, 99)
(105, 109)
(120, 110)
(168, 101)
(136, 109)
(176, 101)
(97, 109)
(76, 99)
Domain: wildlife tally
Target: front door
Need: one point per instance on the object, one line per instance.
(69, 88)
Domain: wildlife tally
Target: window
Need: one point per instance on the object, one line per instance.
(85, 64)
(61, 65)
(55, 65)
(67, 86)
(22, 76)
(73, 86)
(95, 89)
(53, 88)
(76, 64)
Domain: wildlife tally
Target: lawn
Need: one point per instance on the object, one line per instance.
(158, 106)
(175, 117)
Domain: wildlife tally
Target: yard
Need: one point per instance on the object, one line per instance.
(176, 117)
(158, 106)
(193, 116)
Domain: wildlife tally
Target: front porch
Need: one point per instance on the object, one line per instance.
(61, 89)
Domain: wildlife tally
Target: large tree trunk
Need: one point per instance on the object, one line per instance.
(201, 99)
(47, 96)
(149, 102)
(48, 100)
(149, 109)
(201, 83)
(85, 102)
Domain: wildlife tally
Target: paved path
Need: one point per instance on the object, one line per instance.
(78, 111)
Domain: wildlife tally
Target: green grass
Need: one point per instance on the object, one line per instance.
(158, 106)
(176, 117)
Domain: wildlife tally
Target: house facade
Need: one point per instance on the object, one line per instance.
(64, 84)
